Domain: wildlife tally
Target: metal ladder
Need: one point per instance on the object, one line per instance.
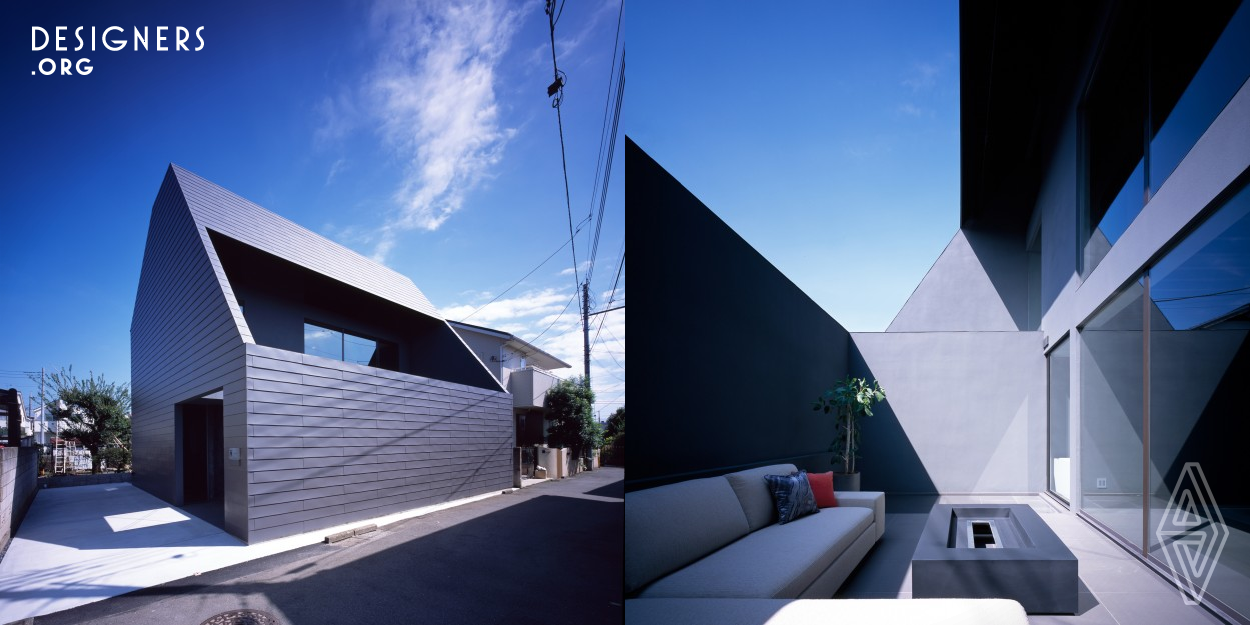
(60, 456)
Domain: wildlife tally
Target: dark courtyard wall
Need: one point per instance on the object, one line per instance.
(735, 353)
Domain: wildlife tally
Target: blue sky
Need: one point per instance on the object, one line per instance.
(417, 133)
(825, 133)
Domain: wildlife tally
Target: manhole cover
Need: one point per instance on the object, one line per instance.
(242, 617)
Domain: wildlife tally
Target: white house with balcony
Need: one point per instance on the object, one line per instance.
(523, 368)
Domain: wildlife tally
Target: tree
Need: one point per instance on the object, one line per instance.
(117, 452)
(92, 411)
(615, 430)
(849, 399)
(572, 425)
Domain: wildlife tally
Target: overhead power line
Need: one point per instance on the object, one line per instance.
(556, 88)
(531, 272)
(604, 140)
(553, 321)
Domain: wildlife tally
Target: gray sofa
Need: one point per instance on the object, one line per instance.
(718, 537)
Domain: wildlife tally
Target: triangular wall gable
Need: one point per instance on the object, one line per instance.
(215, 207)
(957, 295)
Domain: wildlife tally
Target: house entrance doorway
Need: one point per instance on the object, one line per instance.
(202, 457)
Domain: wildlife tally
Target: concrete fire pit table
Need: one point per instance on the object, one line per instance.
(994, 551)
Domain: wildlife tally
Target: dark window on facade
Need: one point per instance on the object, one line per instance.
(328, 342)
(1164, 74)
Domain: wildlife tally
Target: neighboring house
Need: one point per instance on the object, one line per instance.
(294, 383)
(13, 415)
(1086, 332)
(524, 369)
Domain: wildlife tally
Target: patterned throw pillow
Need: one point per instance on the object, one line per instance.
(792, 495)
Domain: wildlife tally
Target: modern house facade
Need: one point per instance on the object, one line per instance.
(292, 384)
(1084, 334)
(522, 368)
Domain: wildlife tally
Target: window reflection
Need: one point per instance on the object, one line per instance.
(324, 342)
(1199, 368)
(359, 350)
(1111, 415)
(339, 345)
(1226, 68)
(1167, 73)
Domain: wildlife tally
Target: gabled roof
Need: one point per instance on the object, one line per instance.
(537, 356)
(238, 218)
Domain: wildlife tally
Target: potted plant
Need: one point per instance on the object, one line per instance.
(849, 399)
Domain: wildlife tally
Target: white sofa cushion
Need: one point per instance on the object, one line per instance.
(779, 561)
(674, 525)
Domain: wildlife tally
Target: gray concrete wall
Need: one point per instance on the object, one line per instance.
(735, 352)
(184, 343)
(978, 284)
(19, 472)
(965, 412)
(330, 442)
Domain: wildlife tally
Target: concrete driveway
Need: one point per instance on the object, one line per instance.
(551, 553)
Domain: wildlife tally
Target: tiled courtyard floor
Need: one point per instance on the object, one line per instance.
(1115, 588)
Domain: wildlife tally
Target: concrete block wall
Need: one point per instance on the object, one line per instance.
(330, 442)
(65, 481)
(19, 472)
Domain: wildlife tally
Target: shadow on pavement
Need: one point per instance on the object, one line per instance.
(548, 558)
(615, 490)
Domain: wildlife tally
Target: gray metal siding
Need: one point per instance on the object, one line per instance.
(332, 442)
(184, 343)
(323, 442)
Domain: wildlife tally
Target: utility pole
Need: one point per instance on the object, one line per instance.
(586, 326)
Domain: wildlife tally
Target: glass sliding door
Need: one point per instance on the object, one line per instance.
(1058, 367)
(1199, 399)
(1112, 414)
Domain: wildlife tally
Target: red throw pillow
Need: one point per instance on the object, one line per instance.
(822, 488)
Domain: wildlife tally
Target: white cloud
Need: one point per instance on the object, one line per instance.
(617, 296)
(433, 89)
(338, 166)
(908, 108)
(531, 304)
(923, 76)
(582, 266)
(542, 318)
(339, 117)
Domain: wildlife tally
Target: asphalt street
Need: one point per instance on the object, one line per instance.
(551, 553)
